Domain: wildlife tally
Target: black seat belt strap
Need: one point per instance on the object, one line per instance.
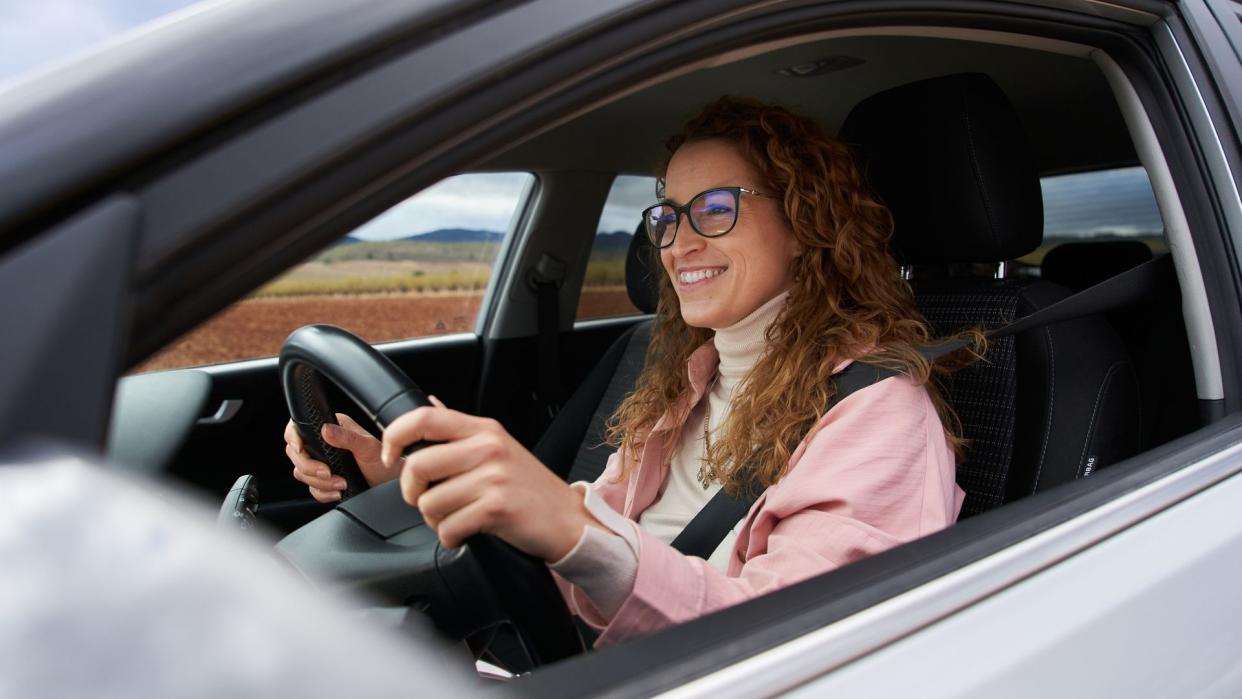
(712, 523)
(546, 279)
(1128, 288)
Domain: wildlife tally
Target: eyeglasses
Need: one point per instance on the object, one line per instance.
(712, 214)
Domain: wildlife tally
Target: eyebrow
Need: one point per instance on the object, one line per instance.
(670, 200)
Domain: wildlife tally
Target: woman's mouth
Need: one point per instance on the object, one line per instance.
(698, 277)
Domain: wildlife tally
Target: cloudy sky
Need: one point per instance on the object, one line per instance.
(38, 33)
(34, 33)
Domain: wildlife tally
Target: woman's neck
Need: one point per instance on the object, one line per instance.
(740, 344)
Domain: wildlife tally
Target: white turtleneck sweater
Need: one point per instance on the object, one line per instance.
(605, 564)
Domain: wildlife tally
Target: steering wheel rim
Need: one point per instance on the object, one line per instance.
(519, 585)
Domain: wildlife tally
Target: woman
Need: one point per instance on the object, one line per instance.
(778, 275)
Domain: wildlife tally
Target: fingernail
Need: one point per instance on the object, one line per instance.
(386, 457)
(336, 497)
(340, 483)
(323, 473)
(330, 431)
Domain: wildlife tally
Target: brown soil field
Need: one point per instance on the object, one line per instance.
(256, 327)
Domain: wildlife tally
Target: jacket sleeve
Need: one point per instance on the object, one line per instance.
(876, 471)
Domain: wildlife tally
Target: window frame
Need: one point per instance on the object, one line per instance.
(802, 609)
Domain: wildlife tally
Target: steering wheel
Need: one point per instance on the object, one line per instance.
(376, 544)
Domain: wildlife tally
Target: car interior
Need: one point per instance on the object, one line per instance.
(955, 130)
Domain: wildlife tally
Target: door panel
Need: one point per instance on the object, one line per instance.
(252, 442)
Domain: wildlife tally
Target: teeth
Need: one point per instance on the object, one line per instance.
(698, 275)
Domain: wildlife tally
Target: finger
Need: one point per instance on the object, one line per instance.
(446, 460)
(292, 437)
(432, 424)
(331, 483)
(443, 499)
(303, 462)
(436, 402)
(352, 425)
(325, 496)
(311, 472)
(475, 518)
(337, 436)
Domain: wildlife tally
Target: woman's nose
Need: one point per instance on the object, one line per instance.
(685, 240)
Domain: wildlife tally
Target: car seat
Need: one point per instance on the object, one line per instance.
(1154, 332)
(572, 446)
(950, 159)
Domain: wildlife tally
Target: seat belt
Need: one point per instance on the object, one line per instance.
(709, 527)
(545, 278)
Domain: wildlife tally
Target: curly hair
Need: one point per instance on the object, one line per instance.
(847, 300)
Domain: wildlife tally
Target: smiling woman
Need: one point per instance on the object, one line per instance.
(151, 186)
(764, 298)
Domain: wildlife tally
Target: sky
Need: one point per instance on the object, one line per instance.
(37, 33)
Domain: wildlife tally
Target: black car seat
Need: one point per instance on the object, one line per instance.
(950, 159)
(1154, 332)
(572, 446)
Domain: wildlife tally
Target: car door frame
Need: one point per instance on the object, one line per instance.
(165, 281)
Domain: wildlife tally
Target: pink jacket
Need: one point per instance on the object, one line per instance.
(876, 472)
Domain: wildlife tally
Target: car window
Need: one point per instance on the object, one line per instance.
(603, 289)
(1098, 206)
(418, 269)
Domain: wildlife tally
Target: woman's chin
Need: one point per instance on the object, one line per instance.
(711, 319)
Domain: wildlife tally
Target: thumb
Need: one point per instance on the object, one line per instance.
(350, 424)
(337, 435)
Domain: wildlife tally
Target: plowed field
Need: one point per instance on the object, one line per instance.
(256, 327)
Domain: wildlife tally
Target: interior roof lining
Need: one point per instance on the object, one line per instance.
(631, 152)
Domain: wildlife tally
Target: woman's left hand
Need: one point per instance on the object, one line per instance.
(480, 480)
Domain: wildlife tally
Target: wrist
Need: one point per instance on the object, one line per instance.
(574, 526)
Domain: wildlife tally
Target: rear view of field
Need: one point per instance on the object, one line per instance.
(382, 290)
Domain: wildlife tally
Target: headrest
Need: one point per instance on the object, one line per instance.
(950, 159)
(642, 272)
(1080, 265)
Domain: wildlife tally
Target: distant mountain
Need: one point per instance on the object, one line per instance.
(617, 241)
(349, 240)
(457, 235)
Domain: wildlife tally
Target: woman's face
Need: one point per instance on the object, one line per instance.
(720, 281)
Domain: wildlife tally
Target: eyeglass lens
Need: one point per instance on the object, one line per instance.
(712, 213)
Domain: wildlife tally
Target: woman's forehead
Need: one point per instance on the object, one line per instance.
(700, 165)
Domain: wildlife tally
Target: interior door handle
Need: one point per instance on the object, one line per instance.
(228, 408)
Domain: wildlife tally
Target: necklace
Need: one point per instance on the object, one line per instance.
(705, 477)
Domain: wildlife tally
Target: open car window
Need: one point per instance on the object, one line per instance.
(419, 269)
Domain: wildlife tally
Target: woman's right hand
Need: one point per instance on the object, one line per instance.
(350, 436)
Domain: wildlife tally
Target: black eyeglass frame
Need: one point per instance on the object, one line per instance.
(685, 209)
